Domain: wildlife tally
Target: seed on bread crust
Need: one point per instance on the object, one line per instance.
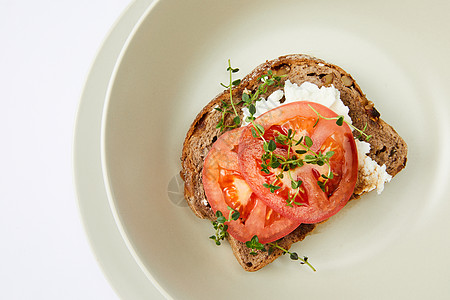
(347, 81)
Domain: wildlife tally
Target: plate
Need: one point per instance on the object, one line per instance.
(112, 254)
(389, 246)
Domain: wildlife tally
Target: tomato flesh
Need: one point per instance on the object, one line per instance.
(225, 186)
(311, 203)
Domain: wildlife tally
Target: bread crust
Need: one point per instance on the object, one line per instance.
(387, 147)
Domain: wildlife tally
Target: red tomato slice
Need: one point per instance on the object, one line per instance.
(310, 203)
(225, 186)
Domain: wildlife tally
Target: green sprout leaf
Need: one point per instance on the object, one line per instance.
(220, 226)
(271, 187)
(236, 82)
(251, 109)
(245, 98)
(275, 164)
(294, 256)
(260, 129)
(254, 134)
(329, 154)
(296, 184)
(272, 146)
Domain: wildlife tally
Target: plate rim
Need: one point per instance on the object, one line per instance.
(104, 165)
(114, 44)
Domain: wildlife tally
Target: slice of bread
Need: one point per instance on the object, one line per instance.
(387, 147)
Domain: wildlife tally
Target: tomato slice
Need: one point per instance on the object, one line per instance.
(309, 203)
(225, 186)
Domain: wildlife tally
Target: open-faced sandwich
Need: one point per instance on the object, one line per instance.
(282, 150)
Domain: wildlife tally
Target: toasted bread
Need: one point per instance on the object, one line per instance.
(387, 147)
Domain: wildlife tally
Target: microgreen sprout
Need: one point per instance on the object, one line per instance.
(220, 226)
(340, 121)
(225, 108)
(268, 79)
(255, 245)
(248, 98)
(293, 255)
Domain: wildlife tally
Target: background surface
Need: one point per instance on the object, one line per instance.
(46, 50)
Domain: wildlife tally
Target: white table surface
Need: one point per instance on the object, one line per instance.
(46, 50)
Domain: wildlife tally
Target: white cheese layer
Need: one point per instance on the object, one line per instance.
(327, 96)
(373, 175)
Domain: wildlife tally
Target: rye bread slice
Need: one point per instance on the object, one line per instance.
(387, 147)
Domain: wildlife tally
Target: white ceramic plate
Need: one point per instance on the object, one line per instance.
(390, 246)
(116, 261)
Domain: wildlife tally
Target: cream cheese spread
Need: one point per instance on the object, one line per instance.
(371, 173)
(327, 96)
